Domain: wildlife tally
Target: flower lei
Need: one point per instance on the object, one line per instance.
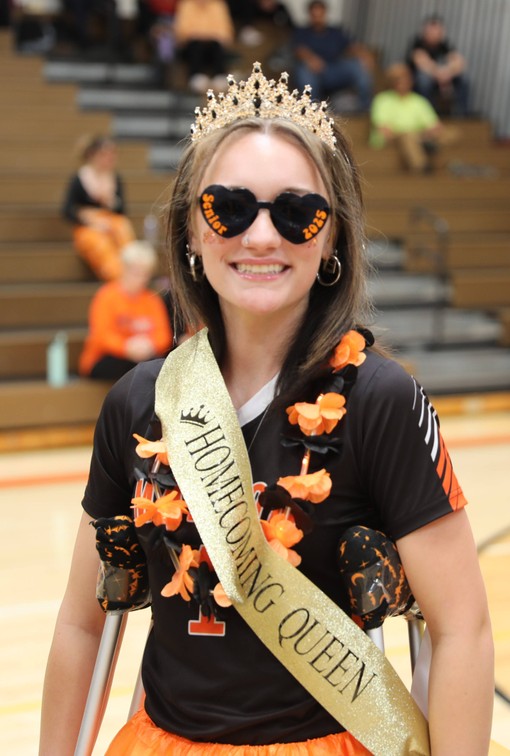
(285, 515)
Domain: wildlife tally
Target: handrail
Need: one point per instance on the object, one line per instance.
(438, 253)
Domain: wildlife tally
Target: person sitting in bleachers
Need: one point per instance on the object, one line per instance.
(128, 321)
(94, 204)
(406, 120)
(159, 18)
(329, 59)
(439, 69)
(203, 32)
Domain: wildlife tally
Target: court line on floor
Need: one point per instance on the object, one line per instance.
(44, 480)
(472, 441)
(81, 476)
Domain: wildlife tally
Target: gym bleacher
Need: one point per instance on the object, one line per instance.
(440, 243)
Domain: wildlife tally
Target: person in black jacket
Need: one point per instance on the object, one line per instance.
(94, 204)
(438, 68)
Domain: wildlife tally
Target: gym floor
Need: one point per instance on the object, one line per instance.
(40, 493)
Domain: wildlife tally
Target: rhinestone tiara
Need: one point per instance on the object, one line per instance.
(263, 98)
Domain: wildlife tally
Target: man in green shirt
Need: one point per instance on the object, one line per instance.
(408, 121)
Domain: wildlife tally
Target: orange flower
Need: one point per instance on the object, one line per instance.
(146, 449)
(282, 528)
(349, 351)
(167, 510)
(321, 417)
(290, 556)
(181, 581)
(220, 596)
(314, 487)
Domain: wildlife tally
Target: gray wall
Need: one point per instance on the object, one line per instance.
(480, 29)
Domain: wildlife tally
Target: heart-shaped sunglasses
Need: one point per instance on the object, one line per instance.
(297, 218)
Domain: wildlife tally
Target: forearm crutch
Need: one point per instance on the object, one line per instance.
(415, 630)
(374, 578)
(101, 682)
(122, 587)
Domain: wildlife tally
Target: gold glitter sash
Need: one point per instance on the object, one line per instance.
(307, 632)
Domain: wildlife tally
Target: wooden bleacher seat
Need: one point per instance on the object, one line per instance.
(41, 262)
(34, 404)
(23, 354)
(465, 251)
(46, 304)
(44, 286)
(486, 288)
(16, 154)
(504, 316)
(44, 222)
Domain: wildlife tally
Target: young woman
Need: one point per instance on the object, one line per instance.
(94, 204)
(267, 251)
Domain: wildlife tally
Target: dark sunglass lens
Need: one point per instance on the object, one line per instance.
(299, 219)
(229, 212)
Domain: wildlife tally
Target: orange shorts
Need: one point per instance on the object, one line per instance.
(141, 737)
(101, 248)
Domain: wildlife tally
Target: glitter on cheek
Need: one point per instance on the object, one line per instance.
(313, 242)
(209, 237)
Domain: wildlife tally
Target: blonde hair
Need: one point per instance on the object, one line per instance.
(139, 251)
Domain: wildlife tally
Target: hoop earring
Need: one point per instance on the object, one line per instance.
(194, 269)
(332, 267)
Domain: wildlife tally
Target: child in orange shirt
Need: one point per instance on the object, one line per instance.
(128, 323)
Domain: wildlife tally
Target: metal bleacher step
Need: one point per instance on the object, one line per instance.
(82, 72)
(457, 371)
(384, 254)
(425, 326)
(164, 156)
(397, 289)
(449, 350)
(151, 125)
(129, 98)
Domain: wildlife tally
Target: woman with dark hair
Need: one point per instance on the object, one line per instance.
(94, 204)
(237, 465)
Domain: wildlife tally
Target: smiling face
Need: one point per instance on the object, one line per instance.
(258, 272)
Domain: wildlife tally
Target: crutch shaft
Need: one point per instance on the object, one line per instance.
(376, 635)
(100, 685)
(415, 628)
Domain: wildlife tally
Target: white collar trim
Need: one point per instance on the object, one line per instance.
(258, 403)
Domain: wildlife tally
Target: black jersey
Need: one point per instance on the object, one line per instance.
(214, 680)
